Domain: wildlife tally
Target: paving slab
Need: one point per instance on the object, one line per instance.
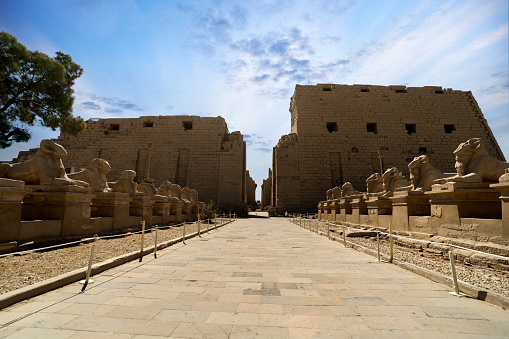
(255, 278)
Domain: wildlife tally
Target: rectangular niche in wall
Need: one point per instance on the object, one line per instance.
(411, 128)
(449, 128)
(332, 127)
(372, 128)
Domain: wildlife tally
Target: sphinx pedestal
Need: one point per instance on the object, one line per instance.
(465, 209)
(321, 210)
(334, 210)
(379, 211)
(346, 209)
(192, 212)
(112, 205)
(11, 197)
(176, 210)
(503, 189)
(327, 206)
(359, 210)
(161, 213)
(140, 208)
(71, 209)
(406, 204)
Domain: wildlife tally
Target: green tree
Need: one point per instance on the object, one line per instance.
(209, 212)
(35, 88)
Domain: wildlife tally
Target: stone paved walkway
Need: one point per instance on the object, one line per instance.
(256, 278)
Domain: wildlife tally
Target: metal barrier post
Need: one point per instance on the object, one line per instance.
(453, 270)
(199, 225)
(155, 245)
(215, 220)
(300, 221)
(184, 233)
(344, 236)
(142, 239)
(89, 270)
(391, 244)
(378, 245)
(328, 231)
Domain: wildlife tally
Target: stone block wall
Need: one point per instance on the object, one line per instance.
(338, 131)
(267, 190)
(286, 178)
(192, 151)
(250, 191)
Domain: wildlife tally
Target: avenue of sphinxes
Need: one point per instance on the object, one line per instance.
(422, 160)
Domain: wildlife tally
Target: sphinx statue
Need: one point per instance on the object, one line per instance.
(174, 190)
(328, 194)
(392, 182)
(374, 184)
(94, 175)
(194, 196)
(186, 195)
(147, 187)
(336, 193)
(348, 190)
(125, 184)
(504, 177)
(422, 174)
(170, 191)
(474, 164)
(45, 168)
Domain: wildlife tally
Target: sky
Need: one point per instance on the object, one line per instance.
(242, 59)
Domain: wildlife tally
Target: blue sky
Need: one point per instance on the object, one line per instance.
(242, 59)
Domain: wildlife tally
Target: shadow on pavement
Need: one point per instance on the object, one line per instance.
(258, 215)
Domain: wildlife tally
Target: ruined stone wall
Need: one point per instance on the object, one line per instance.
(267, 190)
(191, 151)
(341, 128)
(287, 175)
(250, 190)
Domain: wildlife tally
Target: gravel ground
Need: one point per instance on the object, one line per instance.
(17, 271)
(484, 278)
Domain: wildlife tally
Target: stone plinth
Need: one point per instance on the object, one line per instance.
(11, 197)
(503, 189)
(359, 210)
(335, 210)
(112, 204)
(379, 211)
(408, 203)
(192, 212)
(73, 209)
(162, 209)
(321, 210)
(141, 206)
(327, 205)
(346, 209)
(176, 206)
(453, 201)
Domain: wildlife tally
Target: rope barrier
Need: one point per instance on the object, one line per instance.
(420, 240)
(85, 240)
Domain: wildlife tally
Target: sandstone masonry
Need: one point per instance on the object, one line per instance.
(191, 151)
(339, 131)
